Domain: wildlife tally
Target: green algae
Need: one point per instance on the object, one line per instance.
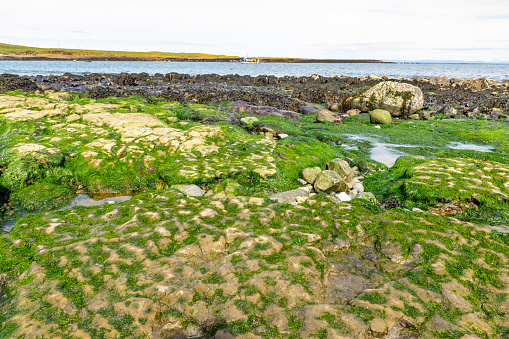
(134, 241)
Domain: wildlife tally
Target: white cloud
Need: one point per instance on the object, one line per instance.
(389, 29)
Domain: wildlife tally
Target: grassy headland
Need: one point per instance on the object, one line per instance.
(19, 52)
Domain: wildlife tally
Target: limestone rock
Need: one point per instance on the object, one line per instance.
(289, 196)
(397, 98)
(309, 174)
(330, 182)
(342, 168)
(380, 116)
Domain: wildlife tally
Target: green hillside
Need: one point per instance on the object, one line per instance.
(18, 49)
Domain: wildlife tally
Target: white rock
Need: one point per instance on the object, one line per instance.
(359, 187)
(343, 196)
(281, 136)
(378, 126)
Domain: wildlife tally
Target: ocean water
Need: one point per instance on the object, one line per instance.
(391, 70)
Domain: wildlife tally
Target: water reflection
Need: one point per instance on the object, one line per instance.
(79, 200)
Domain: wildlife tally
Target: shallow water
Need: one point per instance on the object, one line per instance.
(471, 147)
(391, 70)
(385, 153)
(79, 200)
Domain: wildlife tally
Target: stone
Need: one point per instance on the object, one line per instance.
(440, 80)
(475, 84)
(359, 187)
(368, 196)
(425, 115)
(194, 191)
(342, 168)
(250, 122)
(330, 182)
(414, 116)
(326, 115)
(269, 128)
(395, 97)
(352, 112)
(335, 107)
(309, 174)
(282, 136)
(380, 116)
(343, 196)
(289, 196)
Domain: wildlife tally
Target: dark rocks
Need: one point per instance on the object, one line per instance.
(11, 82)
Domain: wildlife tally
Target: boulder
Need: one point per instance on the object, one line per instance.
(380, 116)
(440, 80)
(399, 99)
(352, 112)
(330, 182)
(270, 128)
(342, 168)
(475, 84)
(250, 122)
(309, 174)
(326, 115)
(335, 107)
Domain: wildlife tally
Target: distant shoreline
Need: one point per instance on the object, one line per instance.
(86, 58)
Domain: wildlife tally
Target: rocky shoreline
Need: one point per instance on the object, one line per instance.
(258, 207)
(457, 97)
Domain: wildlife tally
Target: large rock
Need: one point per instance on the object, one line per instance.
(342, 168)
(330, 182)
(380, 116)
(399, 99)
(309, 174)
(475, 84)
(250, 122)
(326, 115)
(440, 80)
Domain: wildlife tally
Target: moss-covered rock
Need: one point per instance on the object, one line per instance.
(380, 116)
(330, 182)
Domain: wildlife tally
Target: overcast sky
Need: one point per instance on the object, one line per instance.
(357, 29)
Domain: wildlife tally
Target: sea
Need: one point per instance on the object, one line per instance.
(392, 70)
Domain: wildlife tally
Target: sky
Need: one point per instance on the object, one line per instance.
(469, 30)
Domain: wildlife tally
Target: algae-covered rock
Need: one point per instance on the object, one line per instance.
(329, 182)
(399, 99)
(342, 168)
(380, 116)
(42, 196)
(309, 174)
(368, 196)
(250, 122)
(230, 188)
(271, 128)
